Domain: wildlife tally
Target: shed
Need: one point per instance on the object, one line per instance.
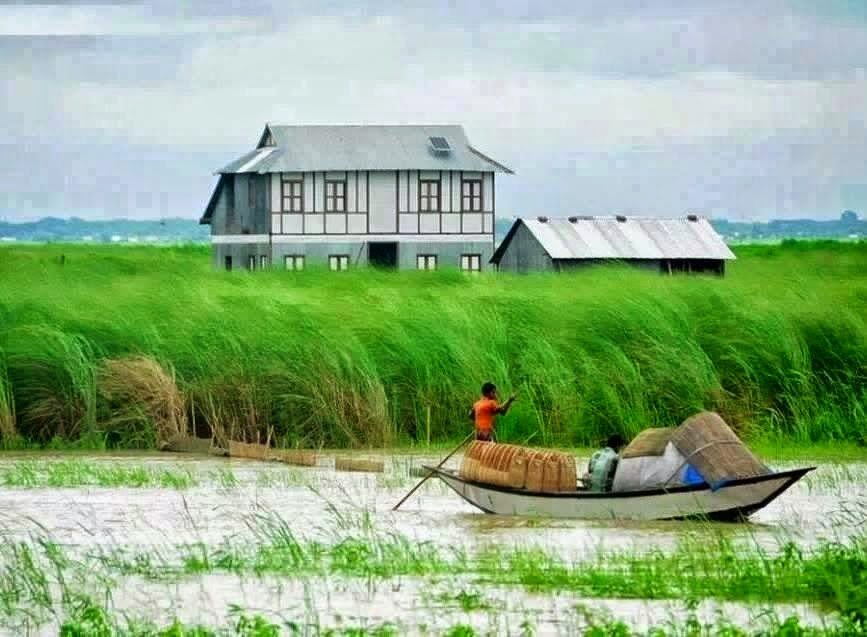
(676, 244)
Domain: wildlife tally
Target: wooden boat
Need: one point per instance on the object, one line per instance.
(731, 500)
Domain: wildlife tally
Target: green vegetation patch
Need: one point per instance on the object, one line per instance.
(123, 347)
(82, 473)
(834, 575)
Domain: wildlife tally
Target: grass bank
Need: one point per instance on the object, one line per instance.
(120, 346)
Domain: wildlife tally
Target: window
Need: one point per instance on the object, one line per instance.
(428, 196)
(227, 262)
(292, 193)
(294, 261)
(335, 196)
(263, 261)
(471, 262)
(251, 262)
(426, 262)
(338, 262)
(471, 195)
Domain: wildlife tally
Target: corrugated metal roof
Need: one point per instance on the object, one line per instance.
(634, 238)
(305, 148)
(249, 162)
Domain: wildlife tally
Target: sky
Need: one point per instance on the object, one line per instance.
(733, 109)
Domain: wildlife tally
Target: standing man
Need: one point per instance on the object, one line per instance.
(486, 409)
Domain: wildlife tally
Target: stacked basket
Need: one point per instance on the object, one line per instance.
(519, 467)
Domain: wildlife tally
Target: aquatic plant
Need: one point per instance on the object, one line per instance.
(42, 582)
(82, 473)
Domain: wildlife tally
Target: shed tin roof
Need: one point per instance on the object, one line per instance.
(623, 238)
(358, 147)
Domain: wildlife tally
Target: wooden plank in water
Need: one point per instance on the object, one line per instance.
(359, 464)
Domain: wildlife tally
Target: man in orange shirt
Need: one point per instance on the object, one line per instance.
(485, 410)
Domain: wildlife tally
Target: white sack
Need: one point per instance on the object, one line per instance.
(650, 472)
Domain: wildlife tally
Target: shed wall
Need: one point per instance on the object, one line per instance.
(525, 254)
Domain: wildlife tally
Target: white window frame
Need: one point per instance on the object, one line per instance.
(338, 262)
(471, 262)
(293, 262)
(426, 261)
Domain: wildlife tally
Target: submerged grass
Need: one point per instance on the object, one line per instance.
(38, 582)
(81, 473)
(88, 618)
(42, 582)
(833, 575)
(778, 347)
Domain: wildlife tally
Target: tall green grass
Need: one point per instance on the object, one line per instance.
(778, 347)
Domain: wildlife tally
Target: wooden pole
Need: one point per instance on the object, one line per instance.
(442, 462)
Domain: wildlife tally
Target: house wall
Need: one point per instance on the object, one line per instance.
(316, 253)
(240, 254)
(382, 216)
(382, 202)
(448, 254)
(235, 212)
(525, 254)
(382, 206)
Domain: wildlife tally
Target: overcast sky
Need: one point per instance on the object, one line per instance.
(732, 108)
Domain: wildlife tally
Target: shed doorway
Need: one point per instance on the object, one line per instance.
(382, 255)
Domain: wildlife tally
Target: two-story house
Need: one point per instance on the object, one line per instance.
(347, 196)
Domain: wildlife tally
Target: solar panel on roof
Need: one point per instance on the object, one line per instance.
(440, 144)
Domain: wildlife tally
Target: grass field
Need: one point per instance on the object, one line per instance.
(119, 346)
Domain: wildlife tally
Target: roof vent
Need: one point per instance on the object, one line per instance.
(573, 219)
(542, 219)
(692, 217)
(621, 218)
(440, 145)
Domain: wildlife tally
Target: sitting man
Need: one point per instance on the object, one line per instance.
(603, 464)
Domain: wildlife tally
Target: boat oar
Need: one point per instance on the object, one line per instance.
(430, 473)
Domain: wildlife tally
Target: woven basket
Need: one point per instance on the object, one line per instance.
(650, 442)
(710, 445)
(359, 464)
(248, 450)
(299, 457)
(187, 444)
(519, 467)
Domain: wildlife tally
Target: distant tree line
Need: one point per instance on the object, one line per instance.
(53, 229)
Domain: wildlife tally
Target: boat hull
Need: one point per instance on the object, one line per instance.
(733, 500)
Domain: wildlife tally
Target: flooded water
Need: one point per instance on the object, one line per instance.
(319, 503)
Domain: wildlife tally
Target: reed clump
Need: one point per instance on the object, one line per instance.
(142, 396)
(778, 347)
